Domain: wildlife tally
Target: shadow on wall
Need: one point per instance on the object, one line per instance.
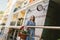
(52, 19)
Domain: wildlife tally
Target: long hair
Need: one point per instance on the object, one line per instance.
(33, 18)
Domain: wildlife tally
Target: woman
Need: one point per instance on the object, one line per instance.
(31, 31)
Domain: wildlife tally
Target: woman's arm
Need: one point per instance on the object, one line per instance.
(27, 23)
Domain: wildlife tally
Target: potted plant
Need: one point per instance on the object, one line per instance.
(23, 33)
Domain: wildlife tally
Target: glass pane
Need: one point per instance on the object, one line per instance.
(3, 6)
(12, 34)
(21, 18)
(23, 3)
(14, 17)
(4, 21)
(13, 23)
(20, 21)
(20, 4)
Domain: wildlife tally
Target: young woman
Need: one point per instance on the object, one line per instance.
(31, 31)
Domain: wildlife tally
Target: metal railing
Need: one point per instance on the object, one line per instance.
(39, 27)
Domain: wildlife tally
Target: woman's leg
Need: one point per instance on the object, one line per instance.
(32, 33)
(28, 37)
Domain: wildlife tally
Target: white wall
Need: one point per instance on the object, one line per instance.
(39, 20)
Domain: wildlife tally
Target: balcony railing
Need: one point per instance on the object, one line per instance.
(38, 27)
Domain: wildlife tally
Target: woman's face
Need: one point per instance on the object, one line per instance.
(31, 17)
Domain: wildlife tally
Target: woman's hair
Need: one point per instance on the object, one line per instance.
(33, 18)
